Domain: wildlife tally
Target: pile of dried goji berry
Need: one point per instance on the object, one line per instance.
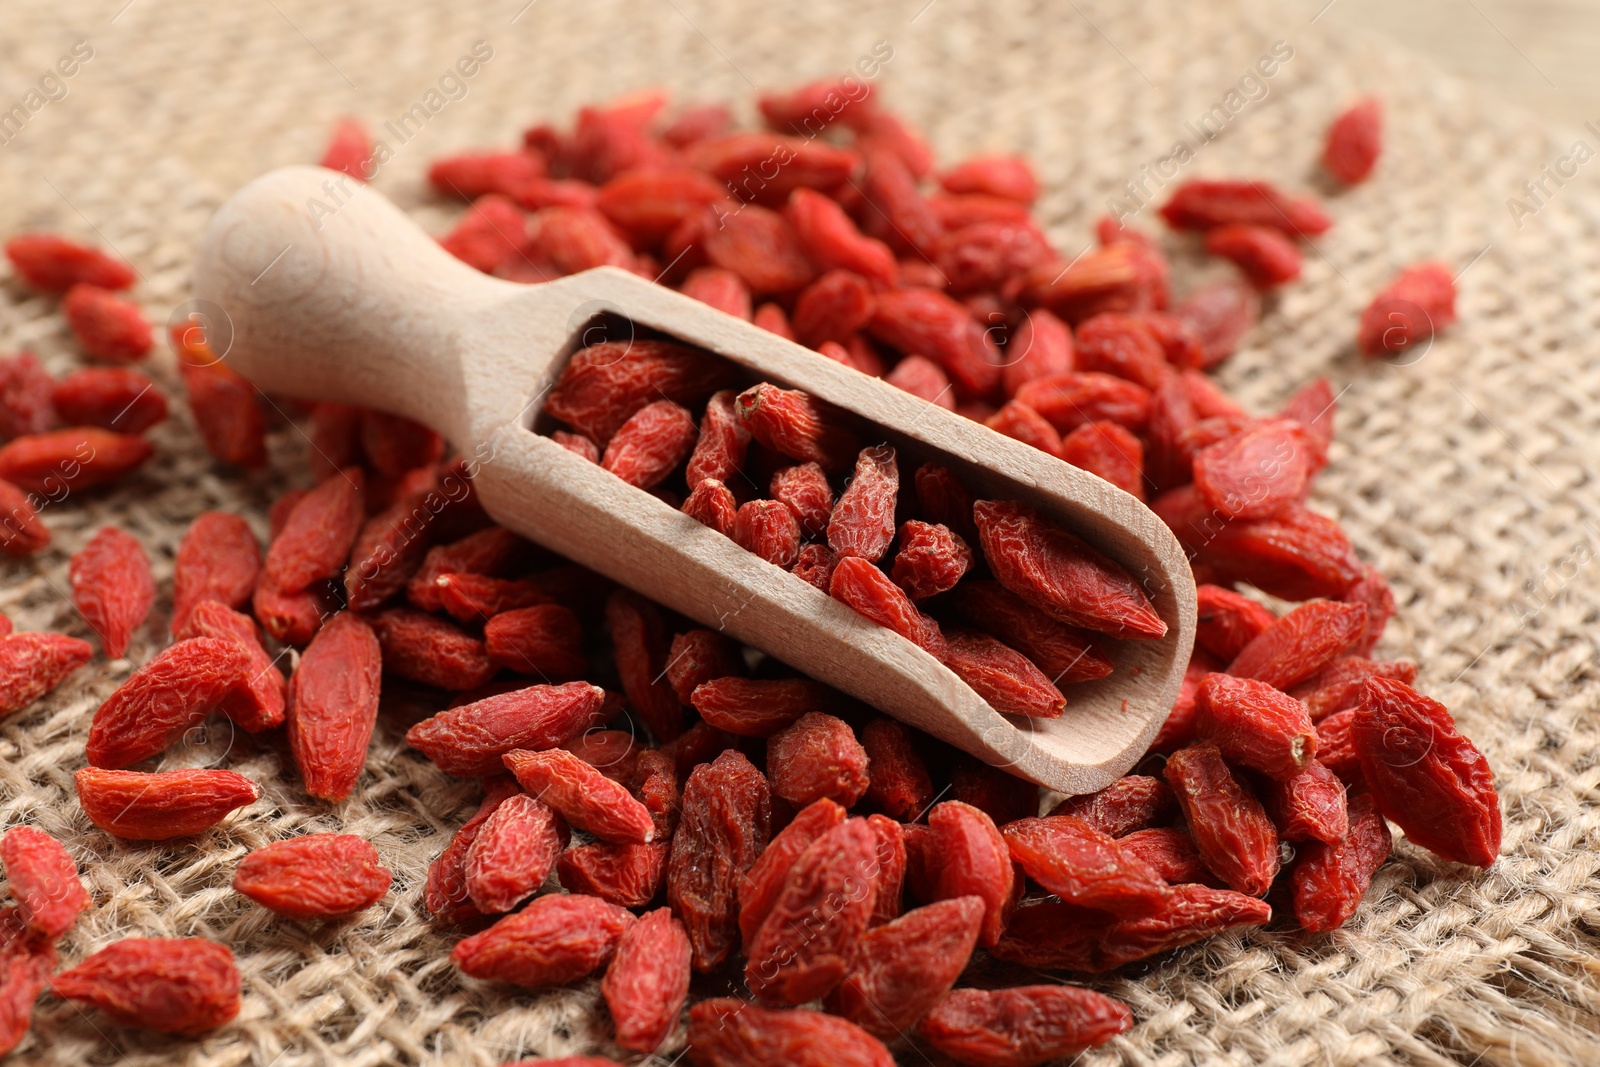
(842, 856)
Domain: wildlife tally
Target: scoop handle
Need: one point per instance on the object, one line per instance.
(317, 287)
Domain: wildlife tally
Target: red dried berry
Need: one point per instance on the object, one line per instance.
(584, 797)
(1337, 686)
(649, 204)
(577, 444)
(751, 707)
(1200, 204)
(333, 705)
(604, 384)
(1230, 827)
(52, 464)
(804, 489)
(768, 528)
(1227, 621)
(314, 876)
(921, 377)
(544, 640)
(1062, 652)
(648, 981)
(27, 397)
(491, 234)
(105, 325)
(218, 559)
(1059, 574)
(862, 523)
(870, 592)
(1257, 473)
(173, 985)
(113, 398)
(1126, 805)
(720, 449)
(1418, 303)
(231, 423)
(472, 174)
(32, 664)
(700, 656)
(1355, 140)
(53, 263)
(315, 541)
(928, 322)
(1301, 643)
(477, 597)
(1310, 806)
(445, 892)
(814, 566)
(639, 644)
(1220, 313)
(432, 651)
(1084, 866)
(806, 942)
(1424, 775)
(21, 532)
(552, 941)
(931, 559)
(712, 504)
(350, 149)
(816, 757)
(260, 703)
(161, 805)
(898, 780)
(768, 877)
(629, 876)
(651, 444)
(1170, 852)
(759, 246)
(1006, 679)
(1107, 450)
(966, 856)
(44, 881)
(904, 968)
(169, 694)
(724, 1032)
(792, 423)
(487, 552)
(725, 823)
(26, 962)
(470, 740)
(1330, 878)
(1255, 725)
(512, 853)
(1024, 1025)
(112, 587)
(1262, 253)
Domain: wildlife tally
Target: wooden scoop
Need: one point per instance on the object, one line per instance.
(362, 307)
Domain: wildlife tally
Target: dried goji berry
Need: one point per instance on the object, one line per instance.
(725, 823)
(315, 541)
(1200, 204)
(892, 208)
(231, 423)
(700, 656)
(1221, 313)
(488, 552)
(922, 377)
(759, 246)
(628, 876)
(870, 592)
(470, 740)
(769, 875)
(577, 444)
(430, 650)
(79, 458)
(27, 401)
(26, 962)
(1059, 574)
(804, 489)
(751, 707)
(552, 941)
(1006, 679)
(314, 876)
(1084, 866)
(259, 703)
(170, 693)
(1023, 1025)
(956, 210)
(1230, 827)
(1121, 345)
(1128, 804)
(32, 664)
(113, 398)
(292, 618)
(768, 528)
(792, 423)
(1336, 748)
(655, 783)
(651, 444)
(1255, 725)
(1418, 303)
(930, 559)
(889, 879)
(720, 450)
(1256, 473)
(349, 149)
(544, 640)
(817, 756)
(613, 753)
(862, 523)
(1301, 643)
(1227, 621)
(1107, 450)
(53, 263)
(808, 109)
(472, 174)
(649, 204)
(648, 981)
(1355, 140)
(44, 881)
(173, 985)
(1056, 935)
(639, 644)
(904, 968)
(112, 587)
(898, 780)
(1372, 592)
(163, 804)
(584, 797)
(814, 566)
(106, 325)
(1168, 851)
(393, 444)
(333, 705)
(445, 891)
(932, 324)
(1262, 253)
(1062, 652)
(491, 233)
(712, 504)
(806, 942)
(21, 531)
(1070, 400)
(1309, 806)
(966, 856)
(748, 164)
(478, 597)
(1330, 878)
(1337, 686)
(724, 1032)
(604, 384)
(1424, 775)
(513, 852)
(1020, 422)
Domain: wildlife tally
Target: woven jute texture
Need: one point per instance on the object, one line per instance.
(1467, 474)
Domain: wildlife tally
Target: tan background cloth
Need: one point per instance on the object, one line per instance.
(1468, 476)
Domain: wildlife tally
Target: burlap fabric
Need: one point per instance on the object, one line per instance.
(1466, 475)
